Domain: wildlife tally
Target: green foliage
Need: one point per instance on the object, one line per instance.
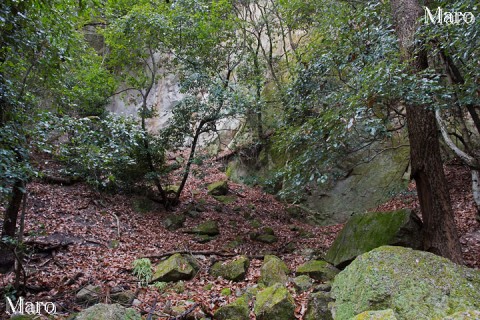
(107, 152)
(142, 269)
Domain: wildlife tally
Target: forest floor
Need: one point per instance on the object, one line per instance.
(106, 233)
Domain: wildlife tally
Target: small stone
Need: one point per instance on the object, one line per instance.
(273, 270)
(103, 311)
(237, 310)
(175, 268)
(88, 295)
(318, 307)
(174, 221)
(233, 270)
(302, 283)
(219, 188)
(122, 297)
(387, 314)
(209, 228)
(275, 302)
(318, 270)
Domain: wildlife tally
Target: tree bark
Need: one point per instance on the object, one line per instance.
(440, 235)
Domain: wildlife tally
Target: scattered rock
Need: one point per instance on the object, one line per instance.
(416, 284)
(273, 270)
(318, 270)
(364, 232)
(237, 310)
(181, 308)
(103, 311)
(302, 283)
(376, 315)
(266, 235)
(203, 238)
(234, 270)
(318, 306)
(174, 221)
(226, 199)
(274, 302)
(122, 297)
(88, 295)
(325, 287)
(175, 268)
(209, 228)
(219, 188)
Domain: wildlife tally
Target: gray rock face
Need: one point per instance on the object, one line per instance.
(368, 231)
(318, 306)
(108, 312)
(415, 284)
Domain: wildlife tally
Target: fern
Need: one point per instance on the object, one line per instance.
(142, 269)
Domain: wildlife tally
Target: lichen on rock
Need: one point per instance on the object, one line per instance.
(274, 302)
(415, 284)
(234, 270)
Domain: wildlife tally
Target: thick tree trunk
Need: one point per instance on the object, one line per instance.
(440, 235)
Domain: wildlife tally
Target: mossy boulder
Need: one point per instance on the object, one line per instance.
(318, 306)
(237, 310)
(174, 221)
(234, 270)
(376, 315)
(318, 270)
(175, 268)
(302, 283)
(465, 315)
(364, 232)
(274, 302)
(209, 228)
(266, 235)
(88, 295)
(415, 284)
(219, 188)
(273, 270)
(122, 297)
(103, 311)
(226, 199)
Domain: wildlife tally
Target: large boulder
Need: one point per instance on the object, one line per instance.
(273, 270)
(318, 270)
(415, 284)
(234, 270)
(175, 268)
(103, 311)
(237, 310)
(368, 231)
(274, 302)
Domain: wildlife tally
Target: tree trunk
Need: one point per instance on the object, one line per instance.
(7, 258)
(440, 235)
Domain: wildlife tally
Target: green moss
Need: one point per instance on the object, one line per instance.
(219, 188)
(233, 270)
(175, 268)
(209, 228)
(415, 284)
(226, 199)
(376, 315)
(273, 271)
(368, 231)
(275, 302)
(226, 292)
(237, 310)
(302, 283)
(318, 270)
(102, 311)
